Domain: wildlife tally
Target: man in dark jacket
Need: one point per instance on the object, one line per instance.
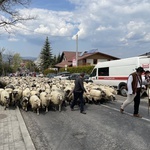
(78, 93)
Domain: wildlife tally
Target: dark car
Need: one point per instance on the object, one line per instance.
(73, 76)
(51, 75)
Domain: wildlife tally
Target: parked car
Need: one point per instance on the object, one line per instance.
(51, 75)
(73, 76)
(62, 75)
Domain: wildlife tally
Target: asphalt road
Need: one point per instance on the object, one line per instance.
(102, 128)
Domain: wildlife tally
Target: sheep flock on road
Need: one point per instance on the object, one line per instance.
(41, 93)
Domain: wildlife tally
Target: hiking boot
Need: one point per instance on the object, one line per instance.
(137, 115)
(71, 109)
(82, 112)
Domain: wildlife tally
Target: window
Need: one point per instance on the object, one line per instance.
(94, 61)
(103, 71)
(93, 74)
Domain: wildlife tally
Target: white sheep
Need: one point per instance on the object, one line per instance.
(45, 100)
(26, 92)
(95, 95)
(35, 103)
(34, 92)
(5, 99)
(57, 97)
(109, 92)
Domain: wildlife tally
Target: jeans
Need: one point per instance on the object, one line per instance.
(78, 95)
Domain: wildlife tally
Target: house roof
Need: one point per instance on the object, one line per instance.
(63, 63)
(69, 55)
(85, 55)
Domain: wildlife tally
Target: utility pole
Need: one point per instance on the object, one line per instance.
(76, 50)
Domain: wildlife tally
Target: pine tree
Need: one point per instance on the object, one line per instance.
(59, 58)
(46, 56)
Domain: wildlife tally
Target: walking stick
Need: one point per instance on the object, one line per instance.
(148, 98)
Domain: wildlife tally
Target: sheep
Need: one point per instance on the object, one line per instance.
(34, 92)
(9, 90)
(5, 99)
(16, 97)
(69, 93)
(95, 95)
(26, 93)
(108, 91)
(35, 103)
(57, 97)
(24, 103)
(45, 100)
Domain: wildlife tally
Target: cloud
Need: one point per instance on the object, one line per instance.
(103, 24)
(13, 39)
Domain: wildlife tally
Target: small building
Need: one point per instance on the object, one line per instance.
(91, 57)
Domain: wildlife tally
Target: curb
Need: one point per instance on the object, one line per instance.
(25, 134)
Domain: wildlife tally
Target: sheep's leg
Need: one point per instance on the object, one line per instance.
(46, 109)
(59, 107)
(26, 109)
(38, 111)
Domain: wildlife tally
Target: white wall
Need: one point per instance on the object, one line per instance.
(90, 61)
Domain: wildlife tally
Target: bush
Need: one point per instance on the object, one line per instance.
(47, 71)
(79, 69)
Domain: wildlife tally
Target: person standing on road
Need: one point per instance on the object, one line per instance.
(146, 86)
(134, 86)
(146, 77)
(78, 93)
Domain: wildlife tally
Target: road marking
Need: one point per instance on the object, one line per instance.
(124, 112)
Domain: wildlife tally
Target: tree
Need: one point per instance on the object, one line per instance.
(10, 57)
(16, 62)
(46, 56)
(1, 61)
(10, 16)
(58, 58)
(30, 65)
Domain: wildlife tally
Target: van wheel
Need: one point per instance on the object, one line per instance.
(123, 91)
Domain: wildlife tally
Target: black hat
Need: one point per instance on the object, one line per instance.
(140, 69)
(147, 71)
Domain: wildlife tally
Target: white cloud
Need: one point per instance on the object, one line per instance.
(103, 24)
(42, 29)
(13, 39)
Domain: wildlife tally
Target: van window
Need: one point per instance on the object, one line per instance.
(103, 71)
(93, 74)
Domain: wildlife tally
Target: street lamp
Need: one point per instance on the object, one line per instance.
(77, 50)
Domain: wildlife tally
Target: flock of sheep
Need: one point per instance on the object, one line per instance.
(43, 93)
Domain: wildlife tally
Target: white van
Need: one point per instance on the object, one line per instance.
(115, 73)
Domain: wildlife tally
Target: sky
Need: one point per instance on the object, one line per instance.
(120, 28)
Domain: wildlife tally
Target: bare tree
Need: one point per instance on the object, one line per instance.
(10, 56)
(10, 16)
(1, 61)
